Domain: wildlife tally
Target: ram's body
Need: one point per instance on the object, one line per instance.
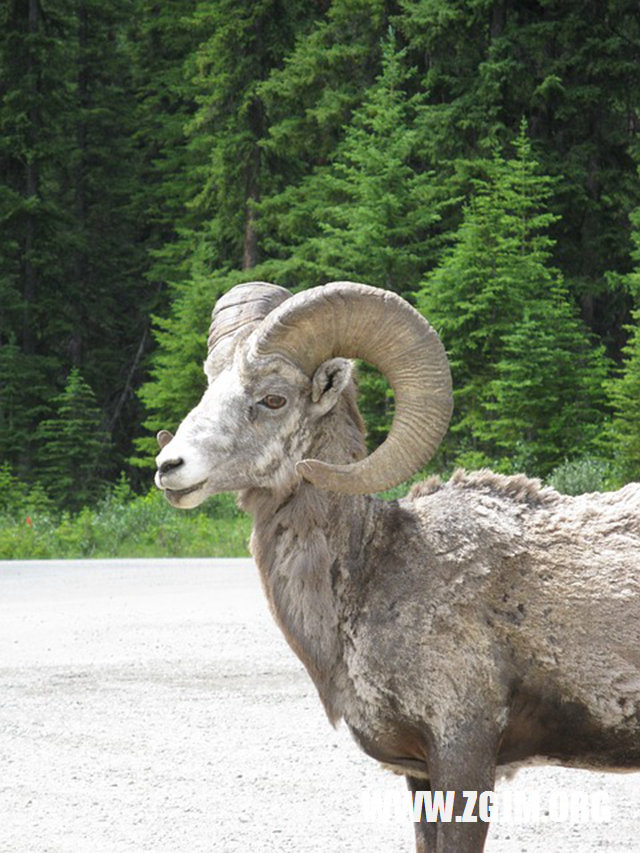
(470, 626)
(488, 593)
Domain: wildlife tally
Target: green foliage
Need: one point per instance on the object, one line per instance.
(571, 68)
(548, 392)
(624, 393)
(624, 389)
(527, 378)
(375, 400)
(368, 215)
(577, 476)
(35, 241)
(236, 46)
(73, 445)
(71, 243)
(309, 99)
(17, 499)
(25, 391)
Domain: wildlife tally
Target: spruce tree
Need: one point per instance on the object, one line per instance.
(103, 323)
(241, 43)
(73, 446)
(374, 214)
(213, 190)
(548, 401)
(310, 98)
(376, 221)
(624, 394)
(71, 248)
(527, 377)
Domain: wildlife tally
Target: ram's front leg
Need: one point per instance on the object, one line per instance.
(425, 832)
(462, 766)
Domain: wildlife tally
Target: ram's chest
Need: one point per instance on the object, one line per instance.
(385, 730)
(419, 674)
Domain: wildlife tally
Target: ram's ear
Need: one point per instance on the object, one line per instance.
(329, 381)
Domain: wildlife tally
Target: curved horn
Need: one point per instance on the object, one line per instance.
(243, 304)
(357, 321)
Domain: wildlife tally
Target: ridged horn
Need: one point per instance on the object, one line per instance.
(357, 321)
(243, 304)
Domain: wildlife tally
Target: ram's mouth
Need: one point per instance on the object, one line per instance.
(178, 494)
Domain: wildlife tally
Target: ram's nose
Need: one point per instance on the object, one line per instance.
(169, 465)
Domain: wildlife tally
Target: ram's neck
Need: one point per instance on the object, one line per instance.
(308, 547)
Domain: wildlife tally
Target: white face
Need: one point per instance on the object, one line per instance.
(253, 424)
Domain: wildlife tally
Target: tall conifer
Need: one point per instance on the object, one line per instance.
(524, 366)
(73, 446)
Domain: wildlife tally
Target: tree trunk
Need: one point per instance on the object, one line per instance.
(250, 254)
(80, 260)
(29, 290)
(250, 245)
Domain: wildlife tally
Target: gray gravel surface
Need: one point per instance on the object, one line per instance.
(154, 706)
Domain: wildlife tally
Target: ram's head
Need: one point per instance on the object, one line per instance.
(278, 365)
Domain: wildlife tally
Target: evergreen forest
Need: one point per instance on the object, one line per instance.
(478, 157)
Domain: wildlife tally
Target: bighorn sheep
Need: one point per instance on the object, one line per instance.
(471, 625)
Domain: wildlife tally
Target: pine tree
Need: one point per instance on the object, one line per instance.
(241, 44)
(309, 103)
(624, 394)
(309, 100)
(165, 39)
(376, 220)
(25, 391)
(74, 446)
(527, 378)
(548, 395)
(371, 213)
(103, 324)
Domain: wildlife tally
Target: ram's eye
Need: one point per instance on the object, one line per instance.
(273, 401)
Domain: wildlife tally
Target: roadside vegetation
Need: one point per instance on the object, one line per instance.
(121, 524)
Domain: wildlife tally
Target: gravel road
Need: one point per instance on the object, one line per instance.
(153, 706)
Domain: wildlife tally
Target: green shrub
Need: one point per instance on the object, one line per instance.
(577, 476)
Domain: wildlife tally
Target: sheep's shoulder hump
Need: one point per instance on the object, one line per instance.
(518, 488)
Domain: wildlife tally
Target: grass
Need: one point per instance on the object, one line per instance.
(121, 525)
